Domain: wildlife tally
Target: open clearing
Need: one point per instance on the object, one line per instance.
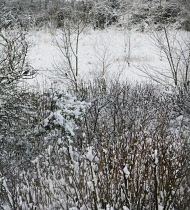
(114, 54)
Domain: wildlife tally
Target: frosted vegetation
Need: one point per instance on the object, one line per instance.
(94, 105)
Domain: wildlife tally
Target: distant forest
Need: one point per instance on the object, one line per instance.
(99, 13)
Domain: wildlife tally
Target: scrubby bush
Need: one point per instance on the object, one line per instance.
(126, 149)
(32, 124)
(13, 60)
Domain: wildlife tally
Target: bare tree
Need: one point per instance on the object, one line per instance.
(13, 61)
(73, 25)
(174, 49)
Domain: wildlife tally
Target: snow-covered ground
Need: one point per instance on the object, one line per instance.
(123, 54)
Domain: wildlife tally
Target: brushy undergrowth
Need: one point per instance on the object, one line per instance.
(122, 147)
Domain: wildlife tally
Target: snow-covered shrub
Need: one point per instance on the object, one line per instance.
(13, 60)
(183, 99)
(176, 53)
(105, 13)
(34, 126)
(129, 150)
(136, 146)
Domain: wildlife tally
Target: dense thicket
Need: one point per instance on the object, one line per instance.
(129, 149)
(99, 13)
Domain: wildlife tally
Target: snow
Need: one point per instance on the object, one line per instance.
(113, 53)
(90, 185)
(156, 156)
(59, 119)
(160, 207)
(1, 102)
(126, 171)
(49, 150)
(89, 154)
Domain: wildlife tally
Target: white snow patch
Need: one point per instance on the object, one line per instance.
(89, 154)
(126, 171)
(156, 156)
(113, 53)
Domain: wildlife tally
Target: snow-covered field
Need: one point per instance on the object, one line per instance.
(114, 53)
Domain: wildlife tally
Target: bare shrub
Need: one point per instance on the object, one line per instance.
(13, 61)
(129, 151)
